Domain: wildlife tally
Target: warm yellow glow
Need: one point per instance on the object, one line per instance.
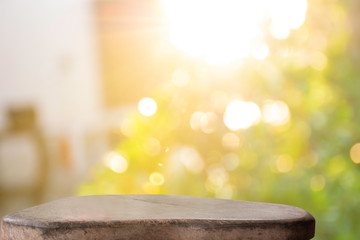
(225, 192)
(245, 180)
(147, 106)
(224, 31)
(317, 183)
(219, 100)
(157, 178)
(152, 147)
(318, 60)
(355, 153)
(231, 161)
(279, 31)
(116, 162)
(286, 15)
(127, 128)
(275, 113)
(190, 158)
(284, 163)
(241, 115)
(180, 77)
(150, 188)
(217, 176)
(312, 160)
(208, 122)
(261, 52)
(230, 140)
(195, 120)
(336, 166)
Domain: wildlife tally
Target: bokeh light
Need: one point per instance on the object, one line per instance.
(249, 104)
(241, 115)
(286, 15)
(189, 157)
(230, 140)
(147, 106)
(157, 179)
(208, 122)
(284, 163)
(217, 176)
(231, 161)
(275, 112)
(116, 162)
(236, 32)
(195, 120)
(355, 153)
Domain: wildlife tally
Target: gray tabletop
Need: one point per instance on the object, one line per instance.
(157, 217)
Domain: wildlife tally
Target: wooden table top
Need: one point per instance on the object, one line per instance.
(158, 217)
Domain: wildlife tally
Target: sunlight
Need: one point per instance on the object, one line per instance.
(147, 106)
(116, 162)
(180, 77)
(286, 15)
(241, 115)
(275, 113)
(230, 30)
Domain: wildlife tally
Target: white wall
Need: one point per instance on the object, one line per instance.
(48, 57)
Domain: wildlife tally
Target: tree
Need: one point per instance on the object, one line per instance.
(279, 129)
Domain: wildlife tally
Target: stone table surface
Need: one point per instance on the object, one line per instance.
(157, 217)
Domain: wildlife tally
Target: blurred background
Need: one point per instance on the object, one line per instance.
(247, 100)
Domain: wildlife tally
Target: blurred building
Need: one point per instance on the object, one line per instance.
(68, 69)
(48, 65)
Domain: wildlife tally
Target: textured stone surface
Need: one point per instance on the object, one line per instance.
(157, 217)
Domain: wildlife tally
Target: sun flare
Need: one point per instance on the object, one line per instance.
(225, 31)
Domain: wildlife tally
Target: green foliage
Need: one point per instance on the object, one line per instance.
(304, 162)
